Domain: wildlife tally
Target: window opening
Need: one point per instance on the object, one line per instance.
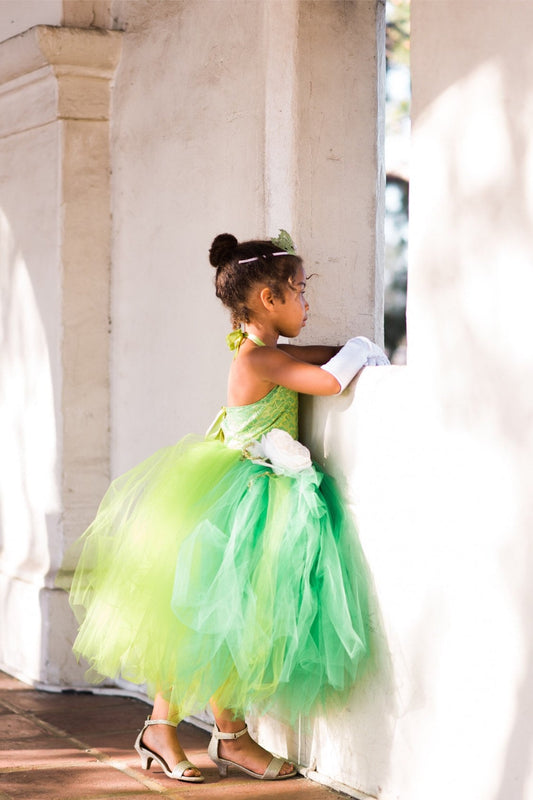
(397, 135)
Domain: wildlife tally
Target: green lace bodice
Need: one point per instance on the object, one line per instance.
(237, 426)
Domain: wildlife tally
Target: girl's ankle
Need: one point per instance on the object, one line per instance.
(231, 726)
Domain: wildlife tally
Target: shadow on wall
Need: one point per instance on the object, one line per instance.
(29, 493)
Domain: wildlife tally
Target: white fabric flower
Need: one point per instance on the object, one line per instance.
(283, 452)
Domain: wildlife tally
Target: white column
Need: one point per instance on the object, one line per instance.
(329, 88)
(324, 167)
(340, 170)
(469, 321)
(54, 261)
(281, 114)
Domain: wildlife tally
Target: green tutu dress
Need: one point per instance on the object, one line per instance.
(208, 573)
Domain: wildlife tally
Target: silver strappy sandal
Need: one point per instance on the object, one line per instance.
(270, 774)
(147, 756)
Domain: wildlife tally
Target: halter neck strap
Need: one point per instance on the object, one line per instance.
(255, 339)
(236, 338)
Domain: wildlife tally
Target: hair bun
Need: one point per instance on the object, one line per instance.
(223, 249)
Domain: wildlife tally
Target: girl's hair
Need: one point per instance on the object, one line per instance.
(241, 266)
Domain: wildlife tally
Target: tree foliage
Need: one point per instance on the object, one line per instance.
(398, 31)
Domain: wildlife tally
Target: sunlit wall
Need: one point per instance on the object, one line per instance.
(30, 387)
(436, 456)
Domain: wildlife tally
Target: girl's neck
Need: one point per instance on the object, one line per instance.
(266, 335)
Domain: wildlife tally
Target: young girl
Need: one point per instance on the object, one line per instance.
(224, 569)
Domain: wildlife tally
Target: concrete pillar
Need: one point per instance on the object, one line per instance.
(340, 168)
(55, 262)
(324, 155)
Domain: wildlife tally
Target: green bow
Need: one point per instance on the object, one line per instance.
(284, 242)
(235, 339)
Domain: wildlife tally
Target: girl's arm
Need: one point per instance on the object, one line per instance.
(311, 354)
(276, 365)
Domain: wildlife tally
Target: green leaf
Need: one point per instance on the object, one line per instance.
(284, 242)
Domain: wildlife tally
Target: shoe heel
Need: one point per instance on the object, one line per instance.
(146, 761)
(145, 756)
(222, 769)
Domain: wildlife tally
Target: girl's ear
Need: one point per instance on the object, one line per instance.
(267, 298)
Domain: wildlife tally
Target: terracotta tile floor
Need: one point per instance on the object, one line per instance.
(77, 746)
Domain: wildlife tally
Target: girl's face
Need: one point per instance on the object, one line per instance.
(293, 311)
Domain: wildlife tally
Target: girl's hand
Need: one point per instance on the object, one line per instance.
(357, 353)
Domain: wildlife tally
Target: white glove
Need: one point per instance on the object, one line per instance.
(377, 361)
(376, 357)
(357, 353)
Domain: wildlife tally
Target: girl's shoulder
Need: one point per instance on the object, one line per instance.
(248, 382)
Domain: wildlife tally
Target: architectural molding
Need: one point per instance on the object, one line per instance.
(48, 74)
(55, 100)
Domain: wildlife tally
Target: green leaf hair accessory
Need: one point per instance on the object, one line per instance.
(284, 242)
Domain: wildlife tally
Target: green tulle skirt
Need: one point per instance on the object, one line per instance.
(206, 574)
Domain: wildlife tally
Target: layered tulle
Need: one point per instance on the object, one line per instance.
(206, 574)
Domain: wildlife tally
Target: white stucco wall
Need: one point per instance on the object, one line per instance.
(54, 166)
(17, 16)
(437, 455)
(30, 388)
(238, 124)
(470, 281)
(188, 152)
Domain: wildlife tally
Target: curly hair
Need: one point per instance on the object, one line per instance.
(241, 266)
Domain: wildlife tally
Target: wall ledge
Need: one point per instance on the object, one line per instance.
(66, 50)
(49, 74)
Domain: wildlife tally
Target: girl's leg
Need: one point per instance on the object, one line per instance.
(244, 750)
(162, 739)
